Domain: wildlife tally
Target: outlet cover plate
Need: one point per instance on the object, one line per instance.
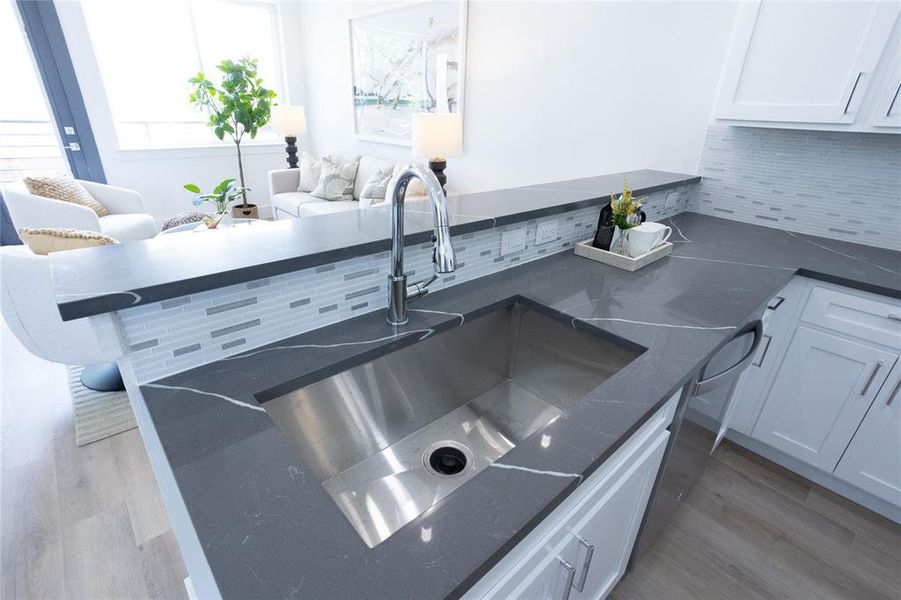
(546, 232)
(513, 241)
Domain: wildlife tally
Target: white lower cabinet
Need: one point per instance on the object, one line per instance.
(821, 392)
(588, 555)
(873, 459)
(582, 548)
(612, 524)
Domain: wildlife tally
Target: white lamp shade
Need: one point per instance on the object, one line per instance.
(437, 135)
(289, 121)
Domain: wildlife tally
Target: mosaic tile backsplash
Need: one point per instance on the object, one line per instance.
(174, 335)
(838, 185)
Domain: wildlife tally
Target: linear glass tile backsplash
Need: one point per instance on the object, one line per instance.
(174, 335)
(838, 185)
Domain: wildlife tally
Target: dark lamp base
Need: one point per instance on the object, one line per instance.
(291, 149)
(437, 165)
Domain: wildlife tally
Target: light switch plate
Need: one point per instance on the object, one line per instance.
(546, 232)
(513, 241)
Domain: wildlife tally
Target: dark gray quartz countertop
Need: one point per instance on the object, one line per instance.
(100, 280)
(269, 529)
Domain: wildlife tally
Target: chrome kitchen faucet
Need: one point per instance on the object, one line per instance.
(442, 255)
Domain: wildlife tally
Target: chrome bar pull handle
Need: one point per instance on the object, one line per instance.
(851, 95)
(766, 348)
(866, 388)
(570, 576)
(891, 105)
(894, 393)
(589, 553)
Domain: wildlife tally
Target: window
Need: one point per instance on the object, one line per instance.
(28, 142)
(147, 50)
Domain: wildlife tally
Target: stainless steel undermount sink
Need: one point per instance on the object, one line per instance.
(392, 437)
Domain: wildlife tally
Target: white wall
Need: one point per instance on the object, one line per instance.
(554, 90)
(159, 174)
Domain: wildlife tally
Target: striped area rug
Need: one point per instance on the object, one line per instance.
(98, 415)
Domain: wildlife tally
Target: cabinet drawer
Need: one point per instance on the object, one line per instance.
(868, 318)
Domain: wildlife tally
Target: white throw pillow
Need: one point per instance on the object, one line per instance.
(375, 188)
(309, 172)
(336, 180)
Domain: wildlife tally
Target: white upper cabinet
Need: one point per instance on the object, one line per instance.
(794, 63)
(873, 459)
(886, 109)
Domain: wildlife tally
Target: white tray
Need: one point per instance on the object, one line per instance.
(586, 250)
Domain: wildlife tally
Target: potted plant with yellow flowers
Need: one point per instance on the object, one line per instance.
(626, 214)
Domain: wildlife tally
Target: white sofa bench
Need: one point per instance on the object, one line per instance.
(289, 203)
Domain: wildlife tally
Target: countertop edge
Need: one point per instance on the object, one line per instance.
(106, 302)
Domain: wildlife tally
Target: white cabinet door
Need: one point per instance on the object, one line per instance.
(822, 391)
(887, 102)
(607, 533)
(873, 459)
(803, 62)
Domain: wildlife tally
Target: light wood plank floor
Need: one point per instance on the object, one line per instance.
(74, 522)
(751, 529)
(89, 522)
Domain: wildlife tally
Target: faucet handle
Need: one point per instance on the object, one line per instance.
(420, 289)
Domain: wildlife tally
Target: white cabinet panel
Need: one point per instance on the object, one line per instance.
(804, 62)
(873, 459)
(887, 92)
(610, 528)
(868, 317)
(604, 512)
(822, 391)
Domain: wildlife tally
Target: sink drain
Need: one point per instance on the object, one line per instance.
(446, 458)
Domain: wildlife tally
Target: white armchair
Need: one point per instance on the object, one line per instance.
(28, 307)
(126, 222)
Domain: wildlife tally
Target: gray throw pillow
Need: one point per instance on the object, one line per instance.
(374, 189)
(336, 180)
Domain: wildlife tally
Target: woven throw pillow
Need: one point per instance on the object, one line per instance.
(309, 172)
(183, 219)
(336, 180)
(374, 189)
(60, 187)
(54, 239)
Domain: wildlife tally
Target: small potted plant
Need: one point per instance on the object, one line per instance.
(223, 194)
(626, 215)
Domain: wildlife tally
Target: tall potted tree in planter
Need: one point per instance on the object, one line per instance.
(239, 106)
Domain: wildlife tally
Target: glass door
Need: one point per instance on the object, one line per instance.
(44, 126)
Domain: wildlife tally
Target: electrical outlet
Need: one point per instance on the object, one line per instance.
(513, 241)
(671, 198)
(546, 232)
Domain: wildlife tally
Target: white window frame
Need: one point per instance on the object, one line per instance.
(214, 147)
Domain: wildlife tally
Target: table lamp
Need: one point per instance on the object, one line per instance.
(437, 136)
(290, 122)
